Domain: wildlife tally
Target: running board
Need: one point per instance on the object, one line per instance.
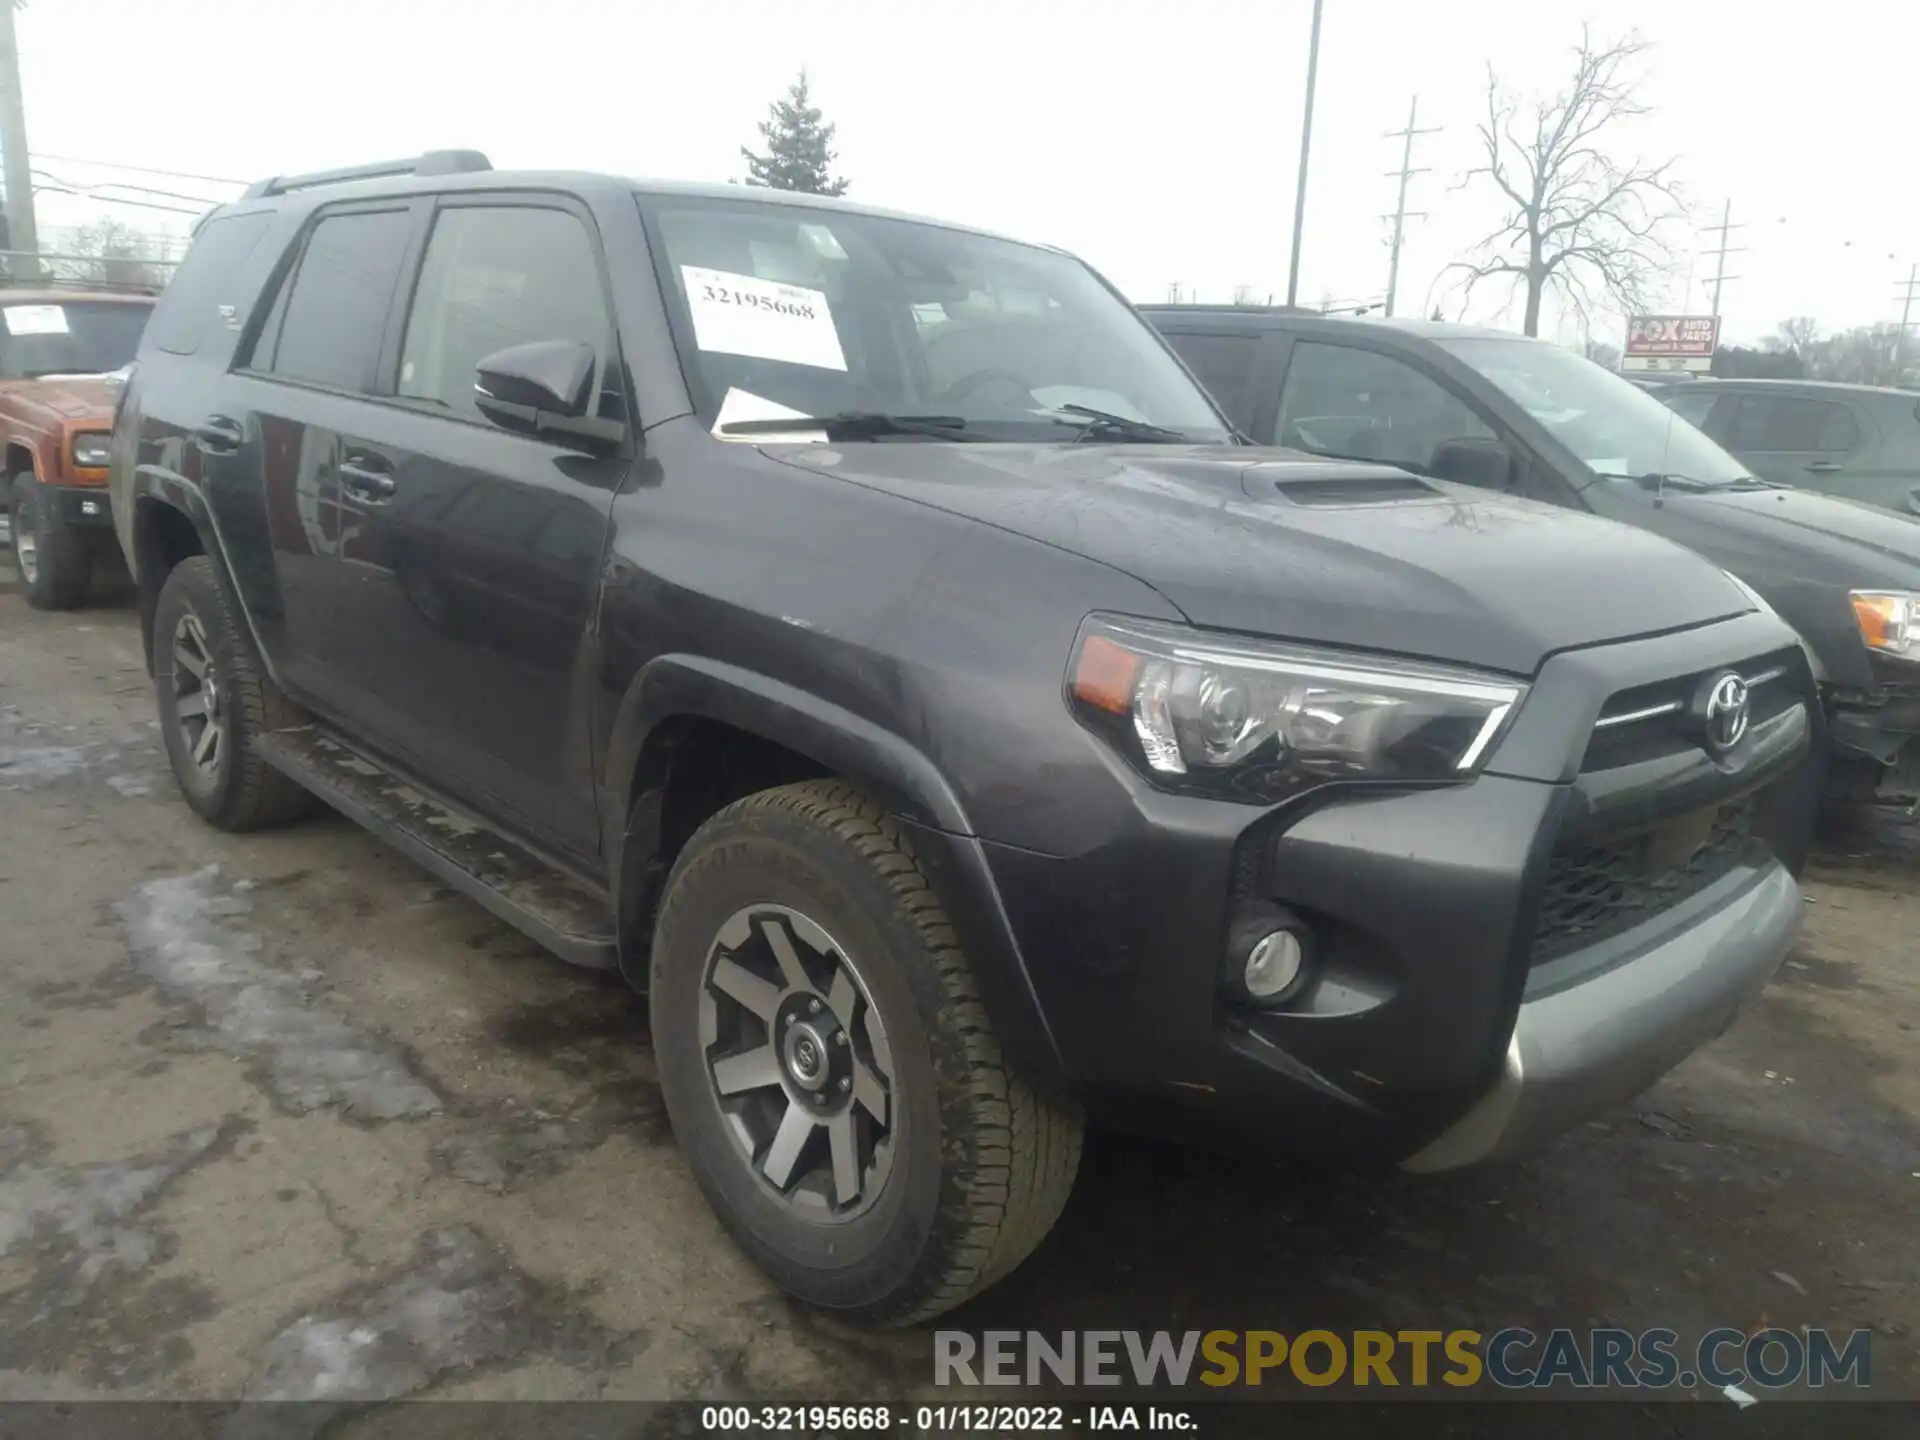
(562, 913)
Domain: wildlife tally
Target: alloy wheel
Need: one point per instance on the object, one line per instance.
(198, 704)
(798, 1062)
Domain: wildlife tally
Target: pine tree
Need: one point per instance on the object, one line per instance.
(799, 147)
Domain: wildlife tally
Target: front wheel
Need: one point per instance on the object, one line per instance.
(830, 1071)
(55, 565)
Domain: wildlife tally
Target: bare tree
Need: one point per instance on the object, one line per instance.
(1578, 222)
(109, 253)
(1798, 337)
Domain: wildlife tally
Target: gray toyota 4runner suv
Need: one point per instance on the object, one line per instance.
(864, 634)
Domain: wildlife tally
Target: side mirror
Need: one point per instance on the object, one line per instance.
(1478, 461)
(551, 377)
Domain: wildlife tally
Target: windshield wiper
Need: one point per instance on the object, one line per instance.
(1658, 480)
(1094, 422)
(854, 425)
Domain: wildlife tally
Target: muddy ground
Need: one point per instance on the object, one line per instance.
(281, 1116)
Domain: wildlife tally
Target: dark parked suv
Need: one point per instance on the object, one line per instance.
(864, 633)
(1525, 417)
(1858, 442)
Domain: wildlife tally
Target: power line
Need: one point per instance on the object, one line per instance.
(144, 169)
(1723, 229)
(48, 180)
(110, 200)
(1405, 172)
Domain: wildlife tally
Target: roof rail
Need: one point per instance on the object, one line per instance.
(433, 162)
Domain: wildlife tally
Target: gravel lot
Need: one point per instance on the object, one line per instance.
(283, 1116)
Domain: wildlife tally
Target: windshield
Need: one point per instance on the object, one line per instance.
(71, 337)
(788, 310)
(1613, 426)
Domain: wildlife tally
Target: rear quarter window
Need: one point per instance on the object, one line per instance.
(208, 278)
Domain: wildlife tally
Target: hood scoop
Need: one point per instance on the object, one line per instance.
(1324, 486)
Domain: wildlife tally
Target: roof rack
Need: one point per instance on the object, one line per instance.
(432, 162)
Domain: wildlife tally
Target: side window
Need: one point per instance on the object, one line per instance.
(1764, 423)
(1691, 406)
(496, 276)
(206, 280)
(1365, 406)
(336, 310)
(1224, 364)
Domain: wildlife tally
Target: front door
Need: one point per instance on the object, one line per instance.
(1789, 439)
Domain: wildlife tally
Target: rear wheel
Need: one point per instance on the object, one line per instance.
(215, 701)
(829, 1068)
(55, 564)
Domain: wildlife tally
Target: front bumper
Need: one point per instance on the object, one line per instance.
(83, 507)
(1582, 1046)
(1446, 922)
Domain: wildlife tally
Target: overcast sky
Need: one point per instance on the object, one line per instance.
(1159, 141)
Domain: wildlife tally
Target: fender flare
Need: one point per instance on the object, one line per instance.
(33, 448)
(682, 685)
(176, 492)
(693, 685)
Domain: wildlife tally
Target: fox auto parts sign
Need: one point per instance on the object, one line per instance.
(1671, 342)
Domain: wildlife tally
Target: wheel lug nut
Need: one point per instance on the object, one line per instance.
(789, 1020)
(845, 1084)
(813, 1007)
(840, 1038)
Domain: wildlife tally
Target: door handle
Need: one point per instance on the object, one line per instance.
(219, 435)
(1824, 467)
(361, 476)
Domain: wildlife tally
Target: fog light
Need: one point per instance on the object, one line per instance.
(1273, 965)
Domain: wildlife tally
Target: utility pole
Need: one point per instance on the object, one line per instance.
(1306, 145)
(14, 162)
(1405, 172)
(1723, 230)
(1906, 319)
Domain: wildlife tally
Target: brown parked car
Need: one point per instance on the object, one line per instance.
(60, 350)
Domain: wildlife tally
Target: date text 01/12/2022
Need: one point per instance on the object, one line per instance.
(942, 1419)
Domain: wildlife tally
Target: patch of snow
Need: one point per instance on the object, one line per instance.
(183, 935)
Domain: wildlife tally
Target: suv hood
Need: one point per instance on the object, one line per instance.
(1800, 534)
(1270, 542)
(71, 397)
(1803, 553)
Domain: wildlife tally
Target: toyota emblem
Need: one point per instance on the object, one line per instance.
(1727, 713)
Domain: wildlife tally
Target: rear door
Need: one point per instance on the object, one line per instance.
(310, 369)
(477, 551)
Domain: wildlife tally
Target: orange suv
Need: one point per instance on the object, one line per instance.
(60, 351)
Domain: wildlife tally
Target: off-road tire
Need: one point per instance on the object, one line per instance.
(62, 561)
(984, 1162)
(243, 792)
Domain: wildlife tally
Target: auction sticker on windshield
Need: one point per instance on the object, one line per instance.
(762, 319)
(34, 319)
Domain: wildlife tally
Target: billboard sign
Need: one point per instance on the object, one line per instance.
(1671, 342)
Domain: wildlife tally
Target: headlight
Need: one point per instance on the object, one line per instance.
(1889, 621)
(92, 449)
(1261, 722)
